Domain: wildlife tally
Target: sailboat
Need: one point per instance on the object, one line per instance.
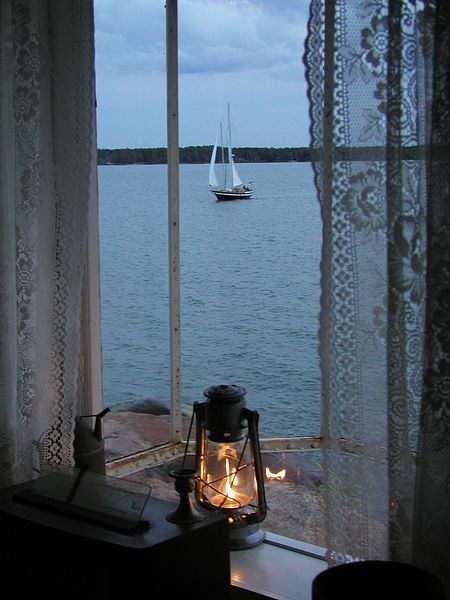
(231, 186)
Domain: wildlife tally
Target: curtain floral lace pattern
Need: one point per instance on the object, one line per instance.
(378, 79)
(47, 126)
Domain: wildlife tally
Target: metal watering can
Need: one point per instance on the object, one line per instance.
(89, 446)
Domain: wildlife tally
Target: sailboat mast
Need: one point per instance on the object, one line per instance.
(229, 129)
(230, 152)
(223, 158)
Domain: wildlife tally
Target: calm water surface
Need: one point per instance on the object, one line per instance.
(249, 296)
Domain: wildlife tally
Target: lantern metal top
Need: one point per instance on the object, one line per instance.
(225, 393)
(223, 416)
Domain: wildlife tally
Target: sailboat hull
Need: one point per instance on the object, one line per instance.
(231, 195)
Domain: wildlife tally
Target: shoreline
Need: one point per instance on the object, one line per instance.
(245, 162)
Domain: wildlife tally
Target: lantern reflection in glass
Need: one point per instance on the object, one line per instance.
(229, 462)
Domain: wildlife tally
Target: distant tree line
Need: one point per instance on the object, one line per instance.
(199, 154)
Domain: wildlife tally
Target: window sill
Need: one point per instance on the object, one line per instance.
(279, 568)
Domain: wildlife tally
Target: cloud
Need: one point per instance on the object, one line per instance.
(247, 52)
(235, 36)
(215, 36)
(129, 36)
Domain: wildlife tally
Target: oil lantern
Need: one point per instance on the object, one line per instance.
(228, 461)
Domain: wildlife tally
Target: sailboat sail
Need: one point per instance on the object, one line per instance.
(237, 181)
(212, 174)
(234, 176)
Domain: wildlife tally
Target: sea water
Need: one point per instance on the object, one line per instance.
(249, 289)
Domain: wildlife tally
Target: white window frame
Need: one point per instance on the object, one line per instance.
(92, 331)
(173, 203)
(92, 397)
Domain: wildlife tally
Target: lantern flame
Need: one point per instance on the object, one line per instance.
(230, 484)
(280, 475)
(231, 479)
(230, 496)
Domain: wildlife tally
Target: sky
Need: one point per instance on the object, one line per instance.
(246, 52)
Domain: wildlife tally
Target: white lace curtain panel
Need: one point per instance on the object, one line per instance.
(47, 112)
(379, 89)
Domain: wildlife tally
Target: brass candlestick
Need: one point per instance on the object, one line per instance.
(187, 511)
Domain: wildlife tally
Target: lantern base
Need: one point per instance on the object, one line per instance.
(245, 537)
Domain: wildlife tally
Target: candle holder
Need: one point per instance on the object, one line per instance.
(187, 511)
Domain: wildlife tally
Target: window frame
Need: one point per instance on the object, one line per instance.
(93, 386)
(92, 398)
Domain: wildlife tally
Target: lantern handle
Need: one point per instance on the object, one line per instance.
(252, 417)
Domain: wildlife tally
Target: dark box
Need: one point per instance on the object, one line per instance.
(59, 556)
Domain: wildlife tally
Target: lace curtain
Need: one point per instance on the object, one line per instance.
(379, 91)
(47, 111)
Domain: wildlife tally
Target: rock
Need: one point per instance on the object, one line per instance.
(148, 406)
(127, 432)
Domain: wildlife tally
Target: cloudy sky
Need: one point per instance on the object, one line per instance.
(246, 52)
